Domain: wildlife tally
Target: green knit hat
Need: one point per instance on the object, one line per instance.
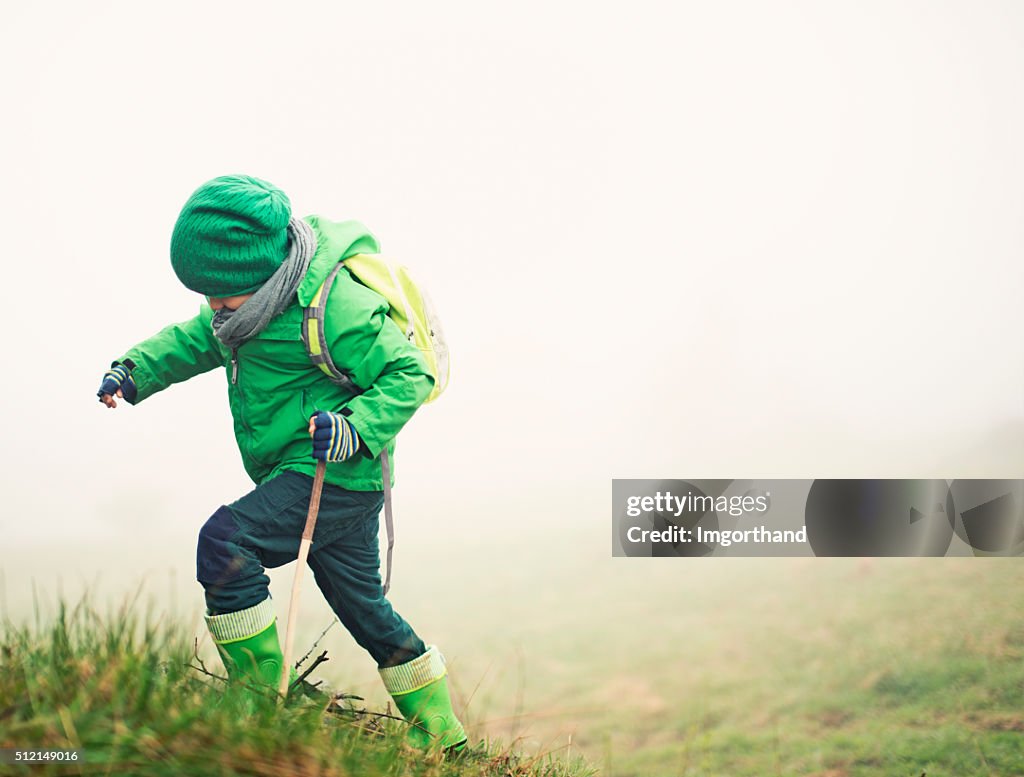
(231, 236)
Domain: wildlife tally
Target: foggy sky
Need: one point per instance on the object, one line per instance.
(666, 240)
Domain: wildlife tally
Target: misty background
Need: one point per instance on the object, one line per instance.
(667, 240)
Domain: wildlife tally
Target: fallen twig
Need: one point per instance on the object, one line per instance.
(319, 660)
(302, 660)
(202, 666)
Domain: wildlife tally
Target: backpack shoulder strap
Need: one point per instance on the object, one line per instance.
(389, 520)
(315, 339)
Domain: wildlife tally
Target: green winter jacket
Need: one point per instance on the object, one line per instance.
(274, 388)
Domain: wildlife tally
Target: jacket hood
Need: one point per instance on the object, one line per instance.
(335, 240)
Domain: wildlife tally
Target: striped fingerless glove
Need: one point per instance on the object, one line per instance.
(119, 376)
(334, 438)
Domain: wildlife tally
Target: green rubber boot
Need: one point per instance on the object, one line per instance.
(248, 645)
(420, 690)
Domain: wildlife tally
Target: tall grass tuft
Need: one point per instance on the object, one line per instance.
(124, 689)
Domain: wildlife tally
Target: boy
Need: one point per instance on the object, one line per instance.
(237, 243)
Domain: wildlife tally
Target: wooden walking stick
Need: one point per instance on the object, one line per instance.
(293, 605)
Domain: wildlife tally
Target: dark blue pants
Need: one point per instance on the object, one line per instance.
(262, 530)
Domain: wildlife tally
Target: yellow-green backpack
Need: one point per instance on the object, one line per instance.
(410, 308)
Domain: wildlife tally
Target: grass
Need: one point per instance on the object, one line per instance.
(127, 692)
(690, 668)
(824, 667)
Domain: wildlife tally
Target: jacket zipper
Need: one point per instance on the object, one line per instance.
(241, 399)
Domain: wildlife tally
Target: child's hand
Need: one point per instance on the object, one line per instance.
(334, 438)
(118, 380)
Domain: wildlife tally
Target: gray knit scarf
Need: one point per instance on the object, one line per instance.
(236, 327)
